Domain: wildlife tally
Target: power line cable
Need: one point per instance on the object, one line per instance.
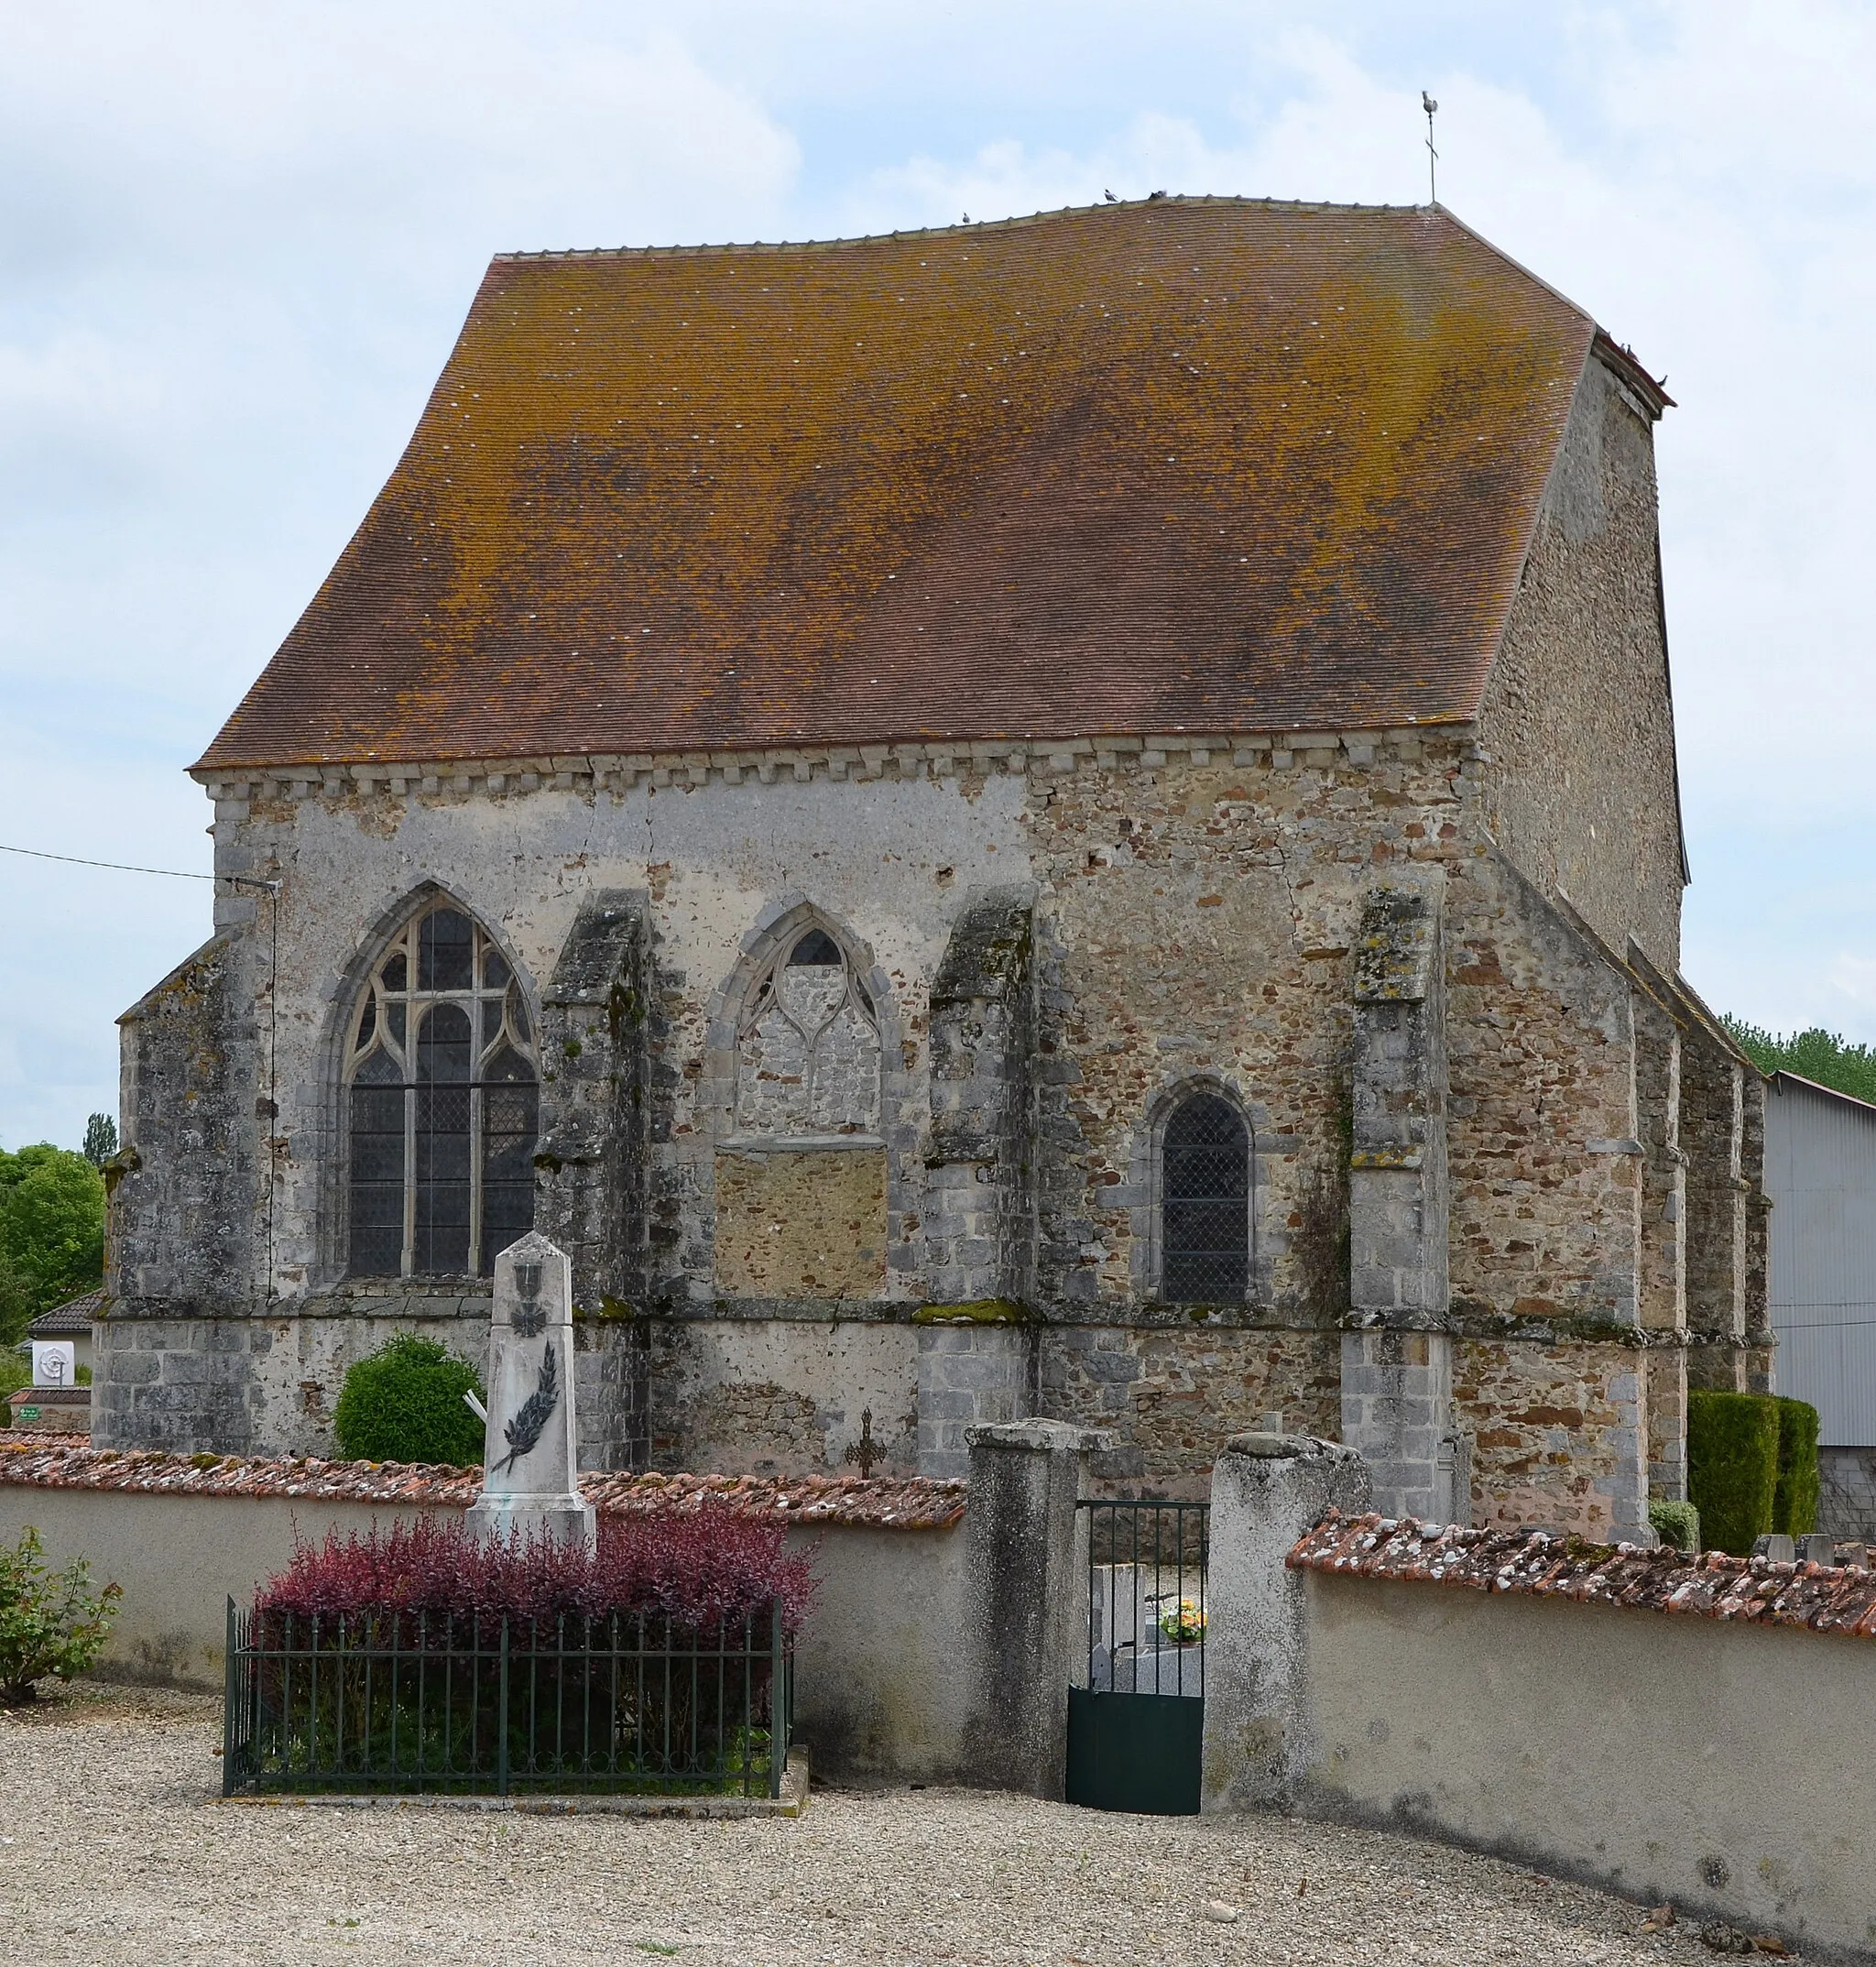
(121, 867)
(272, 890)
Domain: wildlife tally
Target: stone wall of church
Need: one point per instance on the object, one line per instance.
(1544, 1166)
(1036, 964)
(782, 1396)
(1577, 717)
(1173, 1389)
(1559, 1433)
(179, 1364)
(1198, 925)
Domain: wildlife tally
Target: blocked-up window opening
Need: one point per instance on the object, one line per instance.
(1205, 1204)
(808, 1045)
(443, 1105)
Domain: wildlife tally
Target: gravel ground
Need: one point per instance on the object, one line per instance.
(115, 1847)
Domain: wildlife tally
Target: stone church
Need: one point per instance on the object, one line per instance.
(1072, 817)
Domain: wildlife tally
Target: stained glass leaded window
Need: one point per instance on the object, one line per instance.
(443, 1105)
(1205, 1204)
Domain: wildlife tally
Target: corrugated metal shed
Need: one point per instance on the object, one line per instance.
(1820, 1173)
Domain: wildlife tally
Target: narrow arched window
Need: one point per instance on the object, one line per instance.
(443, 1105)
(808, 1045)
(1204, 1203)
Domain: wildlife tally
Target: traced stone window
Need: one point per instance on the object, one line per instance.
(1204, 1203)
(443, 1105)
(808, 1045)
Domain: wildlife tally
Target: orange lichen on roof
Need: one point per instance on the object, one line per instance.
(1212, 465)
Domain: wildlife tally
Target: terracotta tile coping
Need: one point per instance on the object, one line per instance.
(901, 1503)
(1816, 1597)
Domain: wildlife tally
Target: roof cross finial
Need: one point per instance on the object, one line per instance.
(1433, 156)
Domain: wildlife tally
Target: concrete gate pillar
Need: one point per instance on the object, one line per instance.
(1266, 1489)
(1026, 1620)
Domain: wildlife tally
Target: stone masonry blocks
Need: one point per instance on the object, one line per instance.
(970, 1374)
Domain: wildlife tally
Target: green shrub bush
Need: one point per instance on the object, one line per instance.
(1677, 1523)
(1733, 1466)
(48, 1624)
(404, 1403)
(1794, 1502)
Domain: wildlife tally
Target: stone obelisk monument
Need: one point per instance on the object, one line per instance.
(530, 1462)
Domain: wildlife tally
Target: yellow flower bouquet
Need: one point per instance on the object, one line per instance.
(1184, 1623)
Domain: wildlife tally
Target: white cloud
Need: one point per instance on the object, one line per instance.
(236, 243)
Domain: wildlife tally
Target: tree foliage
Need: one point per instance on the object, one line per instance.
(1816, 1055)
(51, 1232)
(99, 1139)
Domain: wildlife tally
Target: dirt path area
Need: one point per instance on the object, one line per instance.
(115, 1849)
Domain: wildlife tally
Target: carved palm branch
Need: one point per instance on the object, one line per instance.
(524, 1429)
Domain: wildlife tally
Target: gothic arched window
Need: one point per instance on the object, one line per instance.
(1204, 1203)
(442, 1105)
(808, 1045)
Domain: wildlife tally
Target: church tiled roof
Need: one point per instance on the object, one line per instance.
(1188, 465)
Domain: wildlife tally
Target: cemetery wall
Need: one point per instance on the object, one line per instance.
(1607, 1746)
(881, 1680)
(1687, 1730)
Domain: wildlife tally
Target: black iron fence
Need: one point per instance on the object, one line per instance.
(427, 1702)
(1147, 1616)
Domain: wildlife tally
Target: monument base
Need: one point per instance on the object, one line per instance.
(567, 1518)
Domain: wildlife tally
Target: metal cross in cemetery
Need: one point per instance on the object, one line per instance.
(865, 1450)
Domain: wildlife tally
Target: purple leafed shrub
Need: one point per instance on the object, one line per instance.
(694, 1570)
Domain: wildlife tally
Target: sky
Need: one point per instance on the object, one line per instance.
(237, 244)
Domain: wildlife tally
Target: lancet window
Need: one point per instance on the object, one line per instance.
(443, 1101)
(1204, 1203)
(808, 1045)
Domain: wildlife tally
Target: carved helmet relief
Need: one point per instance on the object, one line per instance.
(808, 1045)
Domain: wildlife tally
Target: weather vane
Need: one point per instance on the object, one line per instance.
(1433, 156)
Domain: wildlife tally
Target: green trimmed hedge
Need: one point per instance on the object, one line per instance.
(1794, 1503)
(1677, 1523)
(404, 1403)
(1733, 1466)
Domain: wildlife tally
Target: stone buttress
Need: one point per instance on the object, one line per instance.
(1397, 1360)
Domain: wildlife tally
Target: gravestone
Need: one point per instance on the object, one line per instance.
(530, 1463)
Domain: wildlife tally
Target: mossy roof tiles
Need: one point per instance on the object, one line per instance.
(1819, 1598)
(1212, 465)
(880, 1501)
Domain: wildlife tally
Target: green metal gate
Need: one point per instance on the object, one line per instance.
(1135, 1728)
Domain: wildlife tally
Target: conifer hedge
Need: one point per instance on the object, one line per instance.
(1733, 1466)
(1794, 1503)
